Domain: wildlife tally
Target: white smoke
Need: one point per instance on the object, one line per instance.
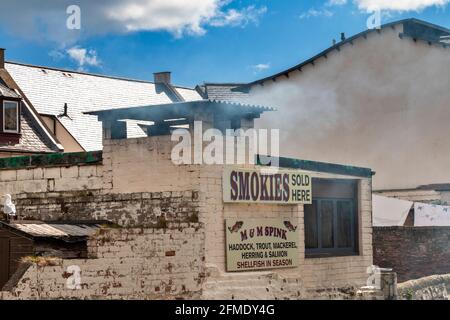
(381, 103)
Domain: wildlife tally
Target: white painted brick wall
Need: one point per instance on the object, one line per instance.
(128, 264)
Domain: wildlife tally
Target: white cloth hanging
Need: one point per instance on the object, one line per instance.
(389, 212)
(430, 215)
(9, 208)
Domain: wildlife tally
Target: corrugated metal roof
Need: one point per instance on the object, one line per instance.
(179, 110)
(39, 229)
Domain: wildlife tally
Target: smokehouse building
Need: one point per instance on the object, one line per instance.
(129, 222)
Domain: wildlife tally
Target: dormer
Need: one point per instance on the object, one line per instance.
(10, 116)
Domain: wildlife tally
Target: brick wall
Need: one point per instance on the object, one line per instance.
(413, 252)
(135, 185)
(127, 209)
(50, 179)
(331, 272)
(138, 263)
(145, 165)
(138, 185)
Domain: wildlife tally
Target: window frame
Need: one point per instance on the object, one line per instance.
(335, 251)
(17, 116)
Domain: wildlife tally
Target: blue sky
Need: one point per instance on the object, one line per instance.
(205, 40)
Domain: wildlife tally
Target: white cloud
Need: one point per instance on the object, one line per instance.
(83, 57)
(312, 13)
(336, 3)
(233, 17)
(260, 67)
(399, 5)
(56, 54)
(46, 19)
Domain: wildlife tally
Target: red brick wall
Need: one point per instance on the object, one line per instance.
(413, 252)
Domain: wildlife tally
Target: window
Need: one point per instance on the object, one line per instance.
(331, 222)
(11, 116)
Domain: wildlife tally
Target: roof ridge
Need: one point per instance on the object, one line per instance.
(429, 24)
(224, 83)
(90, 74)
(339, 44)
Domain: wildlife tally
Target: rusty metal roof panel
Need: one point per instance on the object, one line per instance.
(77, 230)
(38, 230)
(54, 230)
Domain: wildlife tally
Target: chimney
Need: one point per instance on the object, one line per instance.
(342, 36)
(2, 58)
(162, 77)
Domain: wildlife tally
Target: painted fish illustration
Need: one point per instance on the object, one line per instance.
(237, 226)
(290, 227)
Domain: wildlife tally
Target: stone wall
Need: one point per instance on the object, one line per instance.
(137, 185)
(160, 257)
(137, 263)
(413, 252)
(145, 165)
(427, 288)
(132, 183)
(127, 209)
(51, 179)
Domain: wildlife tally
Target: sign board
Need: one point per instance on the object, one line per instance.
(257, 244)
(257, 186)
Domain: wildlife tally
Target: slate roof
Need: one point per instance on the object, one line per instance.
(32, 138)
(49, 89)
(7, 92)
(223, 92)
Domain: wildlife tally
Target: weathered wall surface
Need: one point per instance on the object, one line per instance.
(415, 195)
(427, 288)
(331, 272)
(138, 263)
(50, 179)
(413, 252)
(76, 193)
(367, 105)
(270, 285)
(131, 209)
(137, 185)
(53, 172)
(145, 165)
(161, 258)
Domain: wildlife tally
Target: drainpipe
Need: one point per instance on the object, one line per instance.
(2, 58)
